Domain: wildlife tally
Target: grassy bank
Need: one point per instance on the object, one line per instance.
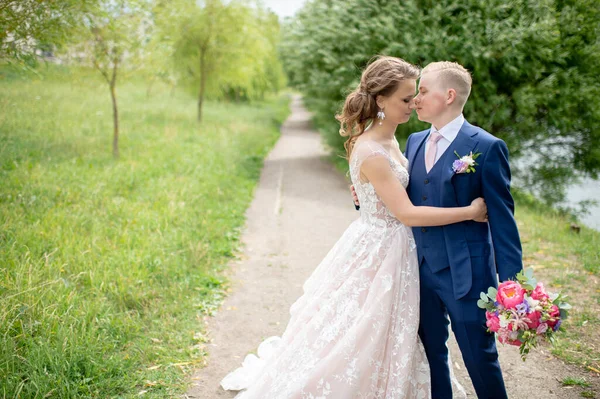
(106, 266)
(566, 261)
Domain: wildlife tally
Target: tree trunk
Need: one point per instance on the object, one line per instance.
(149, 87)
(113, 96)
(112, 84)
(202, 85)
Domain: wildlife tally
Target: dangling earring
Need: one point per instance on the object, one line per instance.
(380, 116)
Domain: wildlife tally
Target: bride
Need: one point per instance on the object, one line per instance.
(353, 332)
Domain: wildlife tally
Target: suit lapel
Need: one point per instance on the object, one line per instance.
(413, 156)
(463, 144)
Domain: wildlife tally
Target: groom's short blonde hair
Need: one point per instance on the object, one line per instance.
(452, 75)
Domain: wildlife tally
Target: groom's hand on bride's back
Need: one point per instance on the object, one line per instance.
(355, 197)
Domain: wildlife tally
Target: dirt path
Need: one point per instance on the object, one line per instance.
(300, 209)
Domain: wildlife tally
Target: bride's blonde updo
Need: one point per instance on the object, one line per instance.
(382, 77)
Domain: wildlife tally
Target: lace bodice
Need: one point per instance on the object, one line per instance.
(372, 208)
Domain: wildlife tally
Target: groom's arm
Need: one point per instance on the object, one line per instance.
(503, 227)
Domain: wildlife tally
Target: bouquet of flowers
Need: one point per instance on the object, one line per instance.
(522, 313)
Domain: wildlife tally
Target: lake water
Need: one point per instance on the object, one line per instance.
(589, 189)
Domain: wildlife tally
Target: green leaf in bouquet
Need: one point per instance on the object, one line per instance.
(529, 340)
(481, 304)
(560, 298)
(529, 273)
(525, 277)
(528, 286)
(564, 315)
(524, 351)
(553, 296)
(484, 297)
(492, 293)
(565, 306)
(531, 284)
(521, 277)
(564, 312)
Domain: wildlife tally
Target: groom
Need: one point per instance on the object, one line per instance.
(459, 261)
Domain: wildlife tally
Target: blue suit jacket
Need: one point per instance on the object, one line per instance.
(477, 251)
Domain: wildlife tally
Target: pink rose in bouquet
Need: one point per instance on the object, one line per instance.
(542, 328)
(539, 293)
(493, 322)
(510, 294)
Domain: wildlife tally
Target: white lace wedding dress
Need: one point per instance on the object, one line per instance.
(353, 333)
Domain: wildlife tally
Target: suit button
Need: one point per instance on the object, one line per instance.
(424, 198)
(423, 229)
(426, 181)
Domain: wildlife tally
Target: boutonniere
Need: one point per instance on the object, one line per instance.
(465, 164)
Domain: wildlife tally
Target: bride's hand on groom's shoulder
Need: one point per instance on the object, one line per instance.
(479, 210)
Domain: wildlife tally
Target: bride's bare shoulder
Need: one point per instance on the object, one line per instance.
(367, 145)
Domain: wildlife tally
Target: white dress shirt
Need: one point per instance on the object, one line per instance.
(449, 133)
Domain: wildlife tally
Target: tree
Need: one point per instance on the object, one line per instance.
(533, 65)
(113, 34)
(26, 26)
(222, 47)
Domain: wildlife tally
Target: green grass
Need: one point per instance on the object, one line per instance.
(565, 261)
(569, 381)
(106, 267)
(544, 225)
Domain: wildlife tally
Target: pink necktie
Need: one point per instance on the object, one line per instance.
(434, 137)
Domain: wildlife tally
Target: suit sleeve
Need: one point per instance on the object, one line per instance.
(503, 227)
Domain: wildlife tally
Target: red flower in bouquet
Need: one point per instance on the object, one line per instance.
(554, 316)
(534, 319)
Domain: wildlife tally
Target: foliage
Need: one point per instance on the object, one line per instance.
(114, 33)
(222, 49)
(106, 267)
(31, 26)
(533, 64)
